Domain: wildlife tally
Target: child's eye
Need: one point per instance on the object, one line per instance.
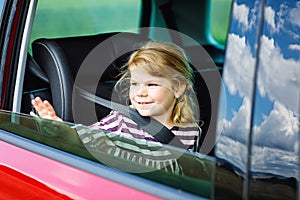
(152, 84)
(133, 84)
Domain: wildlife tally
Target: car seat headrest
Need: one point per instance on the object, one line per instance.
(61, 58)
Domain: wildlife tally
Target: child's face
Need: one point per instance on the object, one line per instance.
(150, 95)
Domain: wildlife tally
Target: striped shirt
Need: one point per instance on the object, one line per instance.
(118, 123)
(119, 136)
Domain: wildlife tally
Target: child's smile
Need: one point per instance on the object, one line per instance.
(150, 95)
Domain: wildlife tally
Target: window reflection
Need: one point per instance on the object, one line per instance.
(238, 76)
(196, 171)
(274, 123)
(275, 135)
(1, 6)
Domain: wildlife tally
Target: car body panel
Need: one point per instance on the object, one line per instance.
(61, 178)
(255, 121)
(259, 144)
(70, 174)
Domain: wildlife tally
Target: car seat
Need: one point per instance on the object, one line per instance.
(61, 59)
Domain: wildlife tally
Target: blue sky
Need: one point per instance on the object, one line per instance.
(276, 121)
(1, 5)
(275, 30)
(284, 29)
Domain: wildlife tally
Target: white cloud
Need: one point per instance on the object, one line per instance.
(281, 129)
(278, 77)
(239, 66)
(295, 47)
(275, 20)
(245, 16)
(233, 151)
(278, 21)
(240, 13)
(276, 139)
(270, 17)
(276, 143)
(238, 128)
(295, 15)
(274, 161)
(264, 159)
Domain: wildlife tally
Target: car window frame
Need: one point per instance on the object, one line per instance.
(143, 183)
(16, 106)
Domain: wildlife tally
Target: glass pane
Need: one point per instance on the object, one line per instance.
(238, 79)
(275, 136)
(220, 17)
(1, 8)
(55, 18)
(194, 175)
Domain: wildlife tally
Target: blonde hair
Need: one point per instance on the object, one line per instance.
(169, 61)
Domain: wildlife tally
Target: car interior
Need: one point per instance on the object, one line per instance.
(52, 67)
(59, 61)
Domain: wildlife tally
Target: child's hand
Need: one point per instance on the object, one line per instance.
(44, 109)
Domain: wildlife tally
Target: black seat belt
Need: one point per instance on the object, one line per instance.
(152, 126)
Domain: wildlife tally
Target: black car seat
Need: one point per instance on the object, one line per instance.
(36, 83)
(61, 58)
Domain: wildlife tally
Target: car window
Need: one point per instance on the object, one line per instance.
(275, 126)
(197, 176)
(219, 19)
(80, 18)
(76, 18)
(258, 146)
(1, 7)
(234, 123)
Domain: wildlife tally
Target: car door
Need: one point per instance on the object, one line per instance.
(258, 149)
(34, 154)
(274, 151)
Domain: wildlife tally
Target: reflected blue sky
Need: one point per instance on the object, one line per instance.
(276, 114)
(1, 6)
(283, 25)
(238, 80)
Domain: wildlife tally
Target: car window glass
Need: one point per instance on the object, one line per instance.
(205, 21)
(1, 7)
(238, 75)
(196, 174)
(275, 128)
(79, 17)
(219, 19)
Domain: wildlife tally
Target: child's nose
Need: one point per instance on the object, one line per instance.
(142, 91)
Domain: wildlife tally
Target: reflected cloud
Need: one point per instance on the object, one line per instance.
(245, 16)
(266, 163)
(240, 66)
(232, 151)
(285, 73)
(275, 147)
(271, 17)
(295, 47)
(295, 15)
(273, 161)
(237, 129)
(283, 19)
(278, 130)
